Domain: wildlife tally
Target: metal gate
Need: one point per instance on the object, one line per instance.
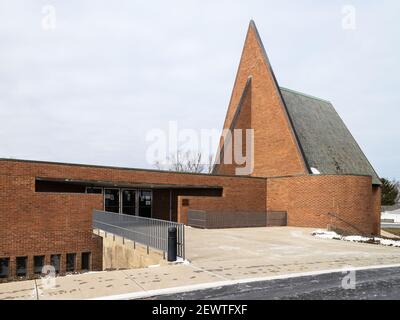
(276, 218)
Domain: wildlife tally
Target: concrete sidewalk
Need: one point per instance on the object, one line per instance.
(217, 257)
(103, 284)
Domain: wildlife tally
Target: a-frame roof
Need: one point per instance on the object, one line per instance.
(327, 144)
(320, 138)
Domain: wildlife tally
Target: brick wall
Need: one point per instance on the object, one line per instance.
(376, 208)
(44, 224)
(276, 151)
(34, 223)
(242, 196)
(242, 122)
(309, 199)
(59, 223)
(162, 198)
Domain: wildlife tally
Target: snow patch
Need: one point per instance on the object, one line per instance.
(315, 171)
(357, 239)
(323, 234)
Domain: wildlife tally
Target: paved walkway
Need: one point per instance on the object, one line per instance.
(217, 257)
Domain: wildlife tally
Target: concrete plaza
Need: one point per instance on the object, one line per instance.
(216, 258)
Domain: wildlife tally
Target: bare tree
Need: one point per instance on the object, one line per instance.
(210, 164)
(187, 161)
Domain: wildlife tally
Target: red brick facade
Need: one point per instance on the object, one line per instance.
(345, 203)
(276, 152)
(45, 223)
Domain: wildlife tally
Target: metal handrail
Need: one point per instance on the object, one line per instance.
(147, 231)
(336, 216)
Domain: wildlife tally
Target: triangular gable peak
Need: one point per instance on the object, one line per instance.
(276, 148)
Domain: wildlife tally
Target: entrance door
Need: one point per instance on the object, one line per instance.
(145, 199)
(111, 200)
(129, 202)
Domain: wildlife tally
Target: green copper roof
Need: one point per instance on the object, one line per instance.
(327, 144)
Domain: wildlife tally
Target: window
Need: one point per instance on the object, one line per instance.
(21, 266)
(38, 263)
(85, 261)
(55, 261)
(94, 190)
(71, 262)
(4, 267)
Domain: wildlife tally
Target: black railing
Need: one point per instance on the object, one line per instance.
(149, 232)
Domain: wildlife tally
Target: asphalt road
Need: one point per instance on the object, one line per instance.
(376, 284)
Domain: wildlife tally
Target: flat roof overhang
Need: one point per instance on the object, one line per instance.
(146, 185)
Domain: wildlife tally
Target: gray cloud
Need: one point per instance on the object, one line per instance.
(89, 90)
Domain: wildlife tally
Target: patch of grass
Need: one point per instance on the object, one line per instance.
(395, 231)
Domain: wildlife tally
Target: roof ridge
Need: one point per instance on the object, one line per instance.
(304, 94)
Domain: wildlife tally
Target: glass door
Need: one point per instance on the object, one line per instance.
(145, 199)
(111, 200)
(129, 202)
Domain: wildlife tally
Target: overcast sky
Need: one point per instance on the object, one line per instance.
(88, 90)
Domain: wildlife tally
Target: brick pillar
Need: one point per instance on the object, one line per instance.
(376, 209)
